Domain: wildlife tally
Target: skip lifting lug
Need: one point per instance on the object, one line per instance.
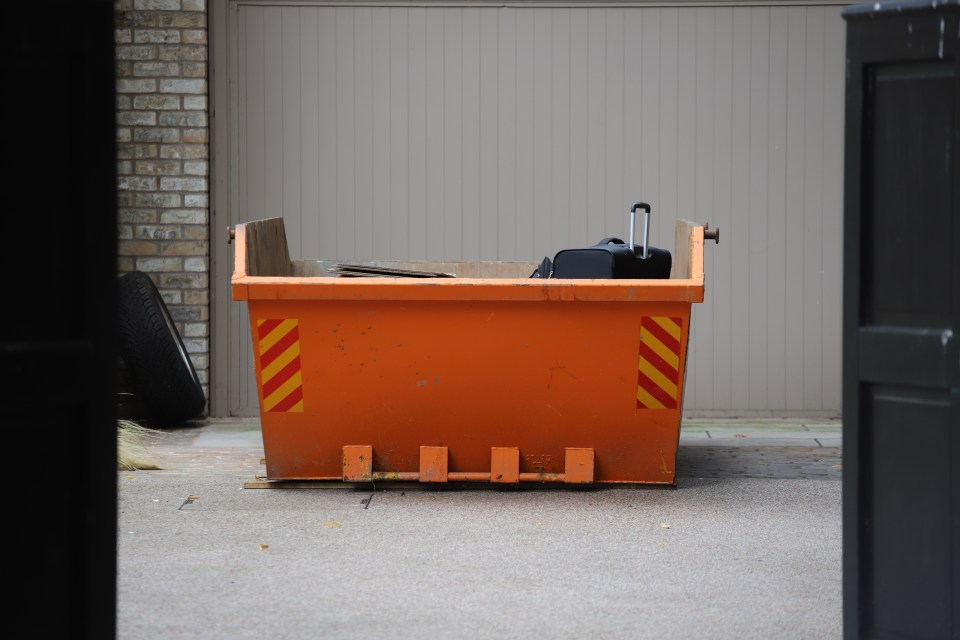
(711, 234)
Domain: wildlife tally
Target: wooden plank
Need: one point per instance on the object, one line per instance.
(542, 135)
(646, 110)
(381, 176)
(832, 173)
(812, 220)
(637, 129)
(667, 119)
(309, 130)
(435, 165)
(346, 145)
(488, 197)
(400, 114)
(615, 200)
(526, 117)
(272, 149)
(252, 117)
(558, 235)
(756, 279)
(596, 127)
(795, 209)
(735, 310)
(452, 123)
(364, 184)
(417, 150)
(470, 143)
(578, 185)
(776, 215)
(328, 170)
(262, 246)
(705, 198)
(291, 167)
(506, 135)
(685, 184)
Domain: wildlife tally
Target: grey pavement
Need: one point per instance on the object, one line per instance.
(746, 545)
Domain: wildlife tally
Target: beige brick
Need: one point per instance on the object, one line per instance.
(159, 265)
(195, 264)
(137, 118)
(162, 200)
(143, 150)
(125, 264)
(183, 184)
(173, 297)
(156, 69)
(184, 248)
(136, 183)
(195, 135)
(122, 36)
(196, 200)
(122, 69)
(136, 19)
(124, 199)
(157, 5)
(124, 232)
(200, 296)
(194, 329)
(124, 134)
(134, 216)
(152, 232)
(191, 314)
(183, 86)
(124, 102)
(182, 20)
(196, 232)
(156, 36)
(156, 102)
(137, 248)
(195, 103)
(184, 216)
(183, 119)
(195, 168)
(158, 168)
(136, 53)
(141, 85)
(122, 5)
(192, 69)
(156, 135)
(184, 280)
(124, 167)
(196, 345)
(194, 5)
(124, 151)
(194, 36)
(196, 53)
(184, 151)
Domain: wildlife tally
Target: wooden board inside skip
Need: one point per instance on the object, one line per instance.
(267, 251)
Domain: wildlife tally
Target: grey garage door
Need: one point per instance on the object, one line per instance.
(510, 132)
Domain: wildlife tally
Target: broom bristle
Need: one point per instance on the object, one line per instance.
(132, 451)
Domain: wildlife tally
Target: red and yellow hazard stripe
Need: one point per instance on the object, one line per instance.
(280, 373)
(658, 380)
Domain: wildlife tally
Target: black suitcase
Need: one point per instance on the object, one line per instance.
(612, 258)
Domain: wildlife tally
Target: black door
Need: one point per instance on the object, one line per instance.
(901, 399)
(58, 357)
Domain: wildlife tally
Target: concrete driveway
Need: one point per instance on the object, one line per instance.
(747, 545)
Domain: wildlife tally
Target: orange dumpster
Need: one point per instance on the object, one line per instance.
(486, 376)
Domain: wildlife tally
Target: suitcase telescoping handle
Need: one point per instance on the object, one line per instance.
(646, 225)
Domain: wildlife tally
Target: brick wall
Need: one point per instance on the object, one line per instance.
(163, 159)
